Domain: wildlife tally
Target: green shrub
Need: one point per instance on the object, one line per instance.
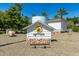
(20, 32)
(2, 32)
(75, 29)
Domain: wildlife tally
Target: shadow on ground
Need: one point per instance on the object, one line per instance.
(11, 43)
(54, 40)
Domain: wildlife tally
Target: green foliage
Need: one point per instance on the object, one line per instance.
(20, 32)
(2, 32)
(74, 19)
(33, 14)
(44, 14)
(75, 29)
(61, 12)
(13, 18)
(72, 22)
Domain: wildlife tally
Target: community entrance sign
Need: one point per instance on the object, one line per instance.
(39, 33)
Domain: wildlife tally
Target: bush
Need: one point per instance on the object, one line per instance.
(75, 29)
(2, 32)
(20, 32)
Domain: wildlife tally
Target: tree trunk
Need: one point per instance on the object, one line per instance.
(61, 17)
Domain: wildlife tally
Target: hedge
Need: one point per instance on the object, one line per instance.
(75, 28)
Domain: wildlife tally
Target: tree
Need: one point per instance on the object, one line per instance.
(75, 20)
(14, 16)
(1, 17)
(33, 14)
(44, 14)
(56, 16)
(61, 13)
(3, 20)
(25, 22)
(19, 7)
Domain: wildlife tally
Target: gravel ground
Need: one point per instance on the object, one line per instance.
(64, 45)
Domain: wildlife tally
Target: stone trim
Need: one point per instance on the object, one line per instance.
(39, 41)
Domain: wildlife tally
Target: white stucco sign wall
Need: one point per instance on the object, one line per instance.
(38, 18)
(56, 25)
(43, 35)
(59, 26)
(39, 32)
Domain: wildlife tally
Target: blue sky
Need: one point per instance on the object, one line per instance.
(50, 8)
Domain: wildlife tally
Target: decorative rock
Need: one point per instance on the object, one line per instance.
(11, 33)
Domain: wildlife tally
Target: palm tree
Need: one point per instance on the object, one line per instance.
(44, 14)
(33, 14)
(61, 13)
